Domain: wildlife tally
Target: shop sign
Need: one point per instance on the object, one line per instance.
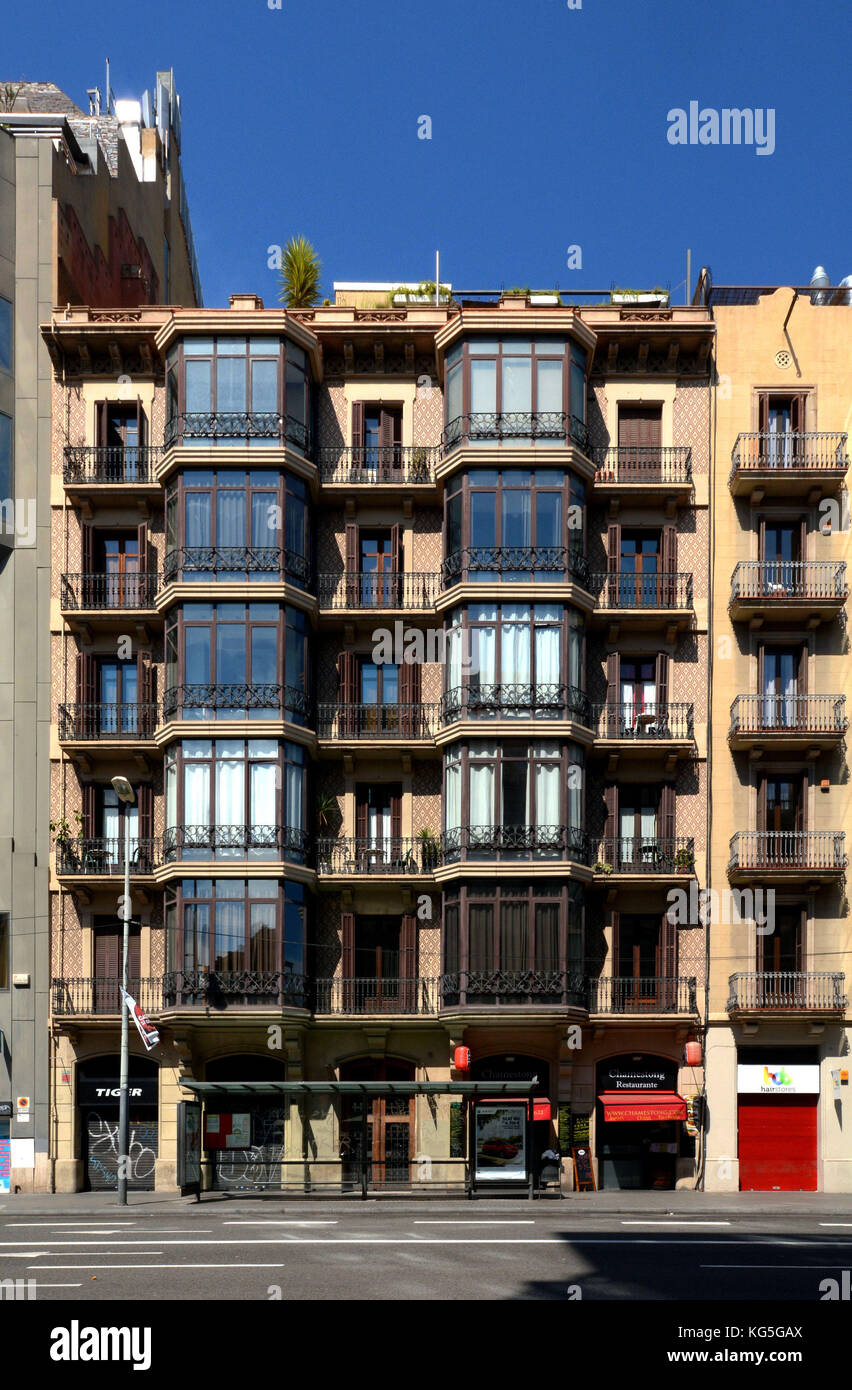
(773, 1079)
(141, 1091)
(636, 1074)
(500, 1141)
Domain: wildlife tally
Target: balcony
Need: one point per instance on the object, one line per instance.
(234, 844)
(786, 992)
(278, 702)
(506, 989)
(547, 428)
(514, 844)
(213, 991)
(237, 427)
(235, 564)
(513, 702)
(113, 726)
(628, 994)
(643, 600)
(643, 857)
(99, 858)
(90, 469)
(388, 466)
(644, 475)
(804, 590)
(109, 594)
(817, 856)
(377, 857)
(787, 465)
(658, 730)
(787, 722)
(516, 564)
(386, 724)
(371, 593)
(368, 997)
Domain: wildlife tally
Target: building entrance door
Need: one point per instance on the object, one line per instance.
(376, 1133)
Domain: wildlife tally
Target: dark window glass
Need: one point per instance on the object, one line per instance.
(5, 335)
(4, 950)
(5, 457)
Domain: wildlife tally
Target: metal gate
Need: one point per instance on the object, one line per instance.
(101, 1150)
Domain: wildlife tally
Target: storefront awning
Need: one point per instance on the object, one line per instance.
(620, 1106)
(358, 1088)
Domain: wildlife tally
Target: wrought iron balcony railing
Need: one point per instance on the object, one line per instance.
(344, 721)
(127, 723)
(778, 714)
(490, 426)
(507, 988)
(228, 841)
(387, 464)
(235, 701)
(823, 850)
(516, 564)
(237, 427)
(90, 592)
(370, 996)
(643, 464)
(113, 465)
(778, 581)
(787, 990)
(515, 842)
(235, 562)
(378, 854)
(71, 997)
(653, 721)
(621, 589)
(101, 857)
(380, 591)
(514, 701)
(820, 451)
(626, 994)
(645, 854)
(221, 989)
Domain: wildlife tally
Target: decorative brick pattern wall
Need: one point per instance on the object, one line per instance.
(690, 422)
(332, 424)
(428, 415)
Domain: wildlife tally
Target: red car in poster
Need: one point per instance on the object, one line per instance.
(498, 1148)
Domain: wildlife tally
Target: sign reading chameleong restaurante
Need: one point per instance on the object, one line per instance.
(637, 1073)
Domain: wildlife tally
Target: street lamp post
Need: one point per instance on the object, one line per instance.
(124, 792)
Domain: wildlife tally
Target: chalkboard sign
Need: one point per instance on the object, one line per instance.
(584, 1174)
(564, 1128)
(580, 1128)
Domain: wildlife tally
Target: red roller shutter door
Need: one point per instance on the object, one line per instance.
(778, 1143)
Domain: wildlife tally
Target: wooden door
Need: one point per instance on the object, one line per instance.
(107, 959)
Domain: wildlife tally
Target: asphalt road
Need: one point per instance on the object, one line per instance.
(459, 1252)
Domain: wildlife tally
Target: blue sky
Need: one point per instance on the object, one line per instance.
(549, 130)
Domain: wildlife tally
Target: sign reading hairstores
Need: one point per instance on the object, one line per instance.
(769, 1079)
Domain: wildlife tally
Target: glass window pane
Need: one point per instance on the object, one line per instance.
(483, 519)
(198, 377)
(198, 347)
(5, 335)
(483, 386)
(197, 655)
(230, 384)
(517, 384)
(263, 655)
(230, 654)
(264, 386)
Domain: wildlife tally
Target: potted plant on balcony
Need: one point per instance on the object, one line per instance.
(327, 813)
(430, 849)
(300, 274)
(599, 867)
(656, 296)
(684, 860)
(424, 293)
(64, 835)
(420, 472)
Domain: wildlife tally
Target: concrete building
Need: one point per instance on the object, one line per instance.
(778, 1026)
(398, 627)
(92, 211)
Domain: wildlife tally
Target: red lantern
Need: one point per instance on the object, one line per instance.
(693, 1054)
(461, 1059)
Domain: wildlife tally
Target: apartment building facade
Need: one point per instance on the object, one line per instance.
(397, 626)
(778, 1024)
(92, 210)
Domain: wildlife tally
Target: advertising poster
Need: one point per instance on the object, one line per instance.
(240, 1135)
(5, 1156)
(500, 1142)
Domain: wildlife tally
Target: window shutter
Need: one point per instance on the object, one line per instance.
(396, 818)
(145, 793)
(668, 566)
(89, 808)
(408, 960)
(361, 816)
(801, 939)
(141, 423)
(357, 430)
(763, 414)
(145, 694)
(802, 675)
(347, 950)
(352, 582)
(613, 694)
(87, 684)
(667, 813)
(613, 564)
(396, 566)
(347, 671)
(615, 966)
(803, 545)
(409, 699)
(797, 418)
(662, 684)
(142, 538)
(100, 423)
(385, 444)
(761, 669)
(802, 803)
(761, 804)
(611, 822)
(87, 549)
(668, 961)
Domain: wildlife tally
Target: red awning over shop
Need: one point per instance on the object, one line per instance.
(620, 1106)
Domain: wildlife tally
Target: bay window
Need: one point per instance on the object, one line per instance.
(514, 524)
(515, 660)
(512, 942)
(519, 390)
(513, 800)
(230, 524)
(232, 798)
(233, 390)
(237, 661)
(229, 927)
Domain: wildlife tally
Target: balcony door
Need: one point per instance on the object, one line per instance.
(641, 566)
(118, 695)
(120, 430)
(373, 566)
(783, 679)
(781, 421)
(378, 822)
(782, 547)
(782, 817)
(639, 440)
(377, 442)
(120, 561)
(108, 939)
(644, 951)
(638, 827)
(781, 953)
(380, 698)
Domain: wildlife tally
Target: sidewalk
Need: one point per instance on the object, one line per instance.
(837, 1206)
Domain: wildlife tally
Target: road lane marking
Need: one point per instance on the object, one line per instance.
(675, 1223)
(72, 1225)
(835, 1223)
(429, 1222)
(778, 1268)
(271, 1222)
(164, 1266)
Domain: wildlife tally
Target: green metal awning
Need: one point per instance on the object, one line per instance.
(359, 1088)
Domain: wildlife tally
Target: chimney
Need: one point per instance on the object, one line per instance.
(245, 302)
